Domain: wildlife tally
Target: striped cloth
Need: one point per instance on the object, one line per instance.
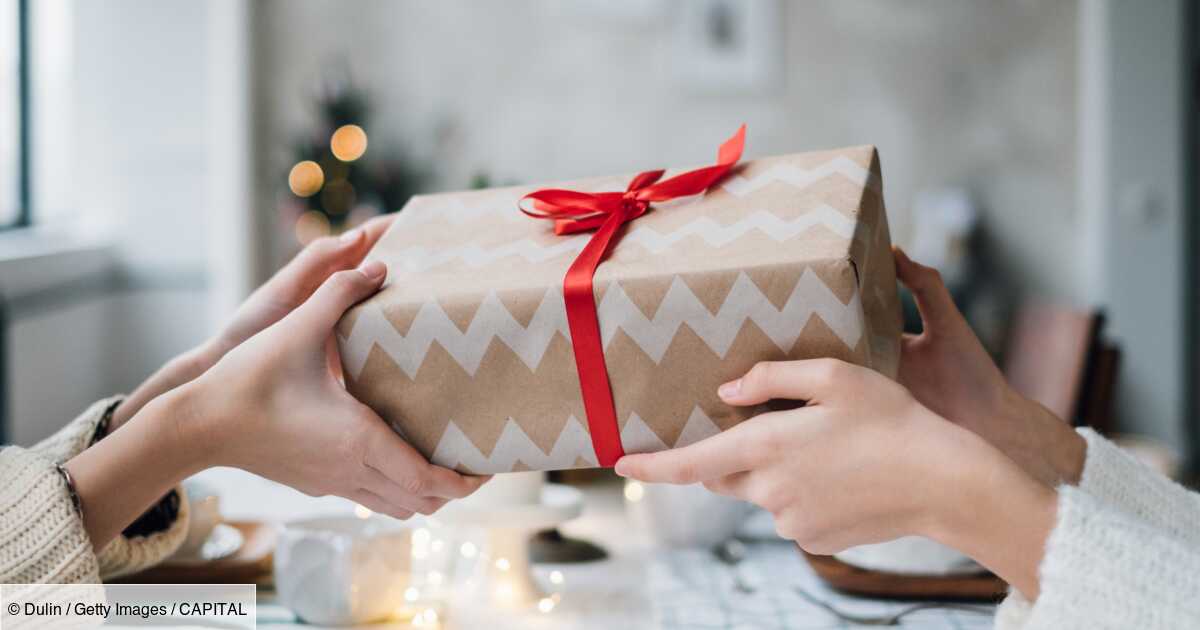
(692, 589)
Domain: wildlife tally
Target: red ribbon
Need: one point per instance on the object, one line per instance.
(573, 211)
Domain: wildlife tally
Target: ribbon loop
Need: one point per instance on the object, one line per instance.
(605, 212)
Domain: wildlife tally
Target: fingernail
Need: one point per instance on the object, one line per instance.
(350, 236)
(620, 469)
(373, 269)
(730, 389)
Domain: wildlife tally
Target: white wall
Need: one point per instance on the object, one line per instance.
(1132, 186)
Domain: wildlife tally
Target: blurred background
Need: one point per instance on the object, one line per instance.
(159, 159)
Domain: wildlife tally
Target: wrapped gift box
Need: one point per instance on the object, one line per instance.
(466, 351)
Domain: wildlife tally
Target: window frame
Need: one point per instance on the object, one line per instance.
(24, 212)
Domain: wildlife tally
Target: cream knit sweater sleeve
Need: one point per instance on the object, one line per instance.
(42, 540)
(1125, 552)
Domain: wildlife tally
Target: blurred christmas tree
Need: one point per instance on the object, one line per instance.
(336, 180)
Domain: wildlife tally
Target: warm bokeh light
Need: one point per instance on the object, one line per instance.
(338, 197)
(348, 143)
(306, 178)
(556, 577)
(634, 491)
(309, 227)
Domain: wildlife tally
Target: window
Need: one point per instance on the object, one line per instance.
(14, 207)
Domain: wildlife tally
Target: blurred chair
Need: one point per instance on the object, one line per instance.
(1056, 356)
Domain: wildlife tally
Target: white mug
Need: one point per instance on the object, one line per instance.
(684, 516)
(343, 570)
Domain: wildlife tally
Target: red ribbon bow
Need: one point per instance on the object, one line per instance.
(573, 211)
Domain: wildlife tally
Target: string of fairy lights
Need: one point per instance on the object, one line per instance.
(434, 559)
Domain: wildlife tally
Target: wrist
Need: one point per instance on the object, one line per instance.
(995, 513)
(176, 372)
(1042, 444)
(183, 428)
(154, 445)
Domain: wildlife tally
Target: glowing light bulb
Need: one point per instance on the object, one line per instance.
(556, 577)
(362, 512)
(545, 604)
(634, 491)
(306, 178)
(411, 594)
(468, 549)
(348, 143)
(502, 564)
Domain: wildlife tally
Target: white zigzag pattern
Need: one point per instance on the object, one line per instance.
(432, 324)
(573, 444)
(800, 177)
(745, 301)
(417, 259)
(616, 311)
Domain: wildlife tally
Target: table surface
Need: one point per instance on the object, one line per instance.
(639, 586)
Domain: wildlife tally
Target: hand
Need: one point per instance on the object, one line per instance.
(947, 369)
(863, 462)
(296, 282)
(287, 289)
(272, 406)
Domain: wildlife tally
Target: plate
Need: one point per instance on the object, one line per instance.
(223, 542)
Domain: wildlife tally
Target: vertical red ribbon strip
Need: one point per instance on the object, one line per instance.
(573, 211)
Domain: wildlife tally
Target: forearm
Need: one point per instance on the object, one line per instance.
(1043, 445)
(121, 476)
(997, 514)
(179, 370)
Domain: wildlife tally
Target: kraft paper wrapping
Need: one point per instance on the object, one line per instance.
(466, 350)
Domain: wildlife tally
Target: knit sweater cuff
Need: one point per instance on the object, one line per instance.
(1105, 569)
(124, 555)
(42, 539)
(1126, 484)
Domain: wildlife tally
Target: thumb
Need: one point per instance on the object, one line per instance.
(938, 311)
(321, 312)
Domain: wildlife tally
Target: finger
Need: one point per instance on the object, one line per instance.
(729, 485)
(723, 454)
(317, 261)
(937, 308)
(810, 380)
(376, 503)
(375, 228)
(318, 315)
(403, 465)
(396, 495)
